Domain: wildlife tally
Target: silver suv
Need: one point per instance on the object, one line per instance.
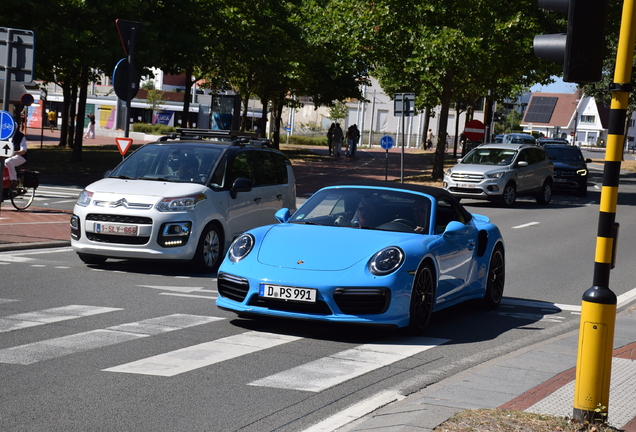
(501, 172)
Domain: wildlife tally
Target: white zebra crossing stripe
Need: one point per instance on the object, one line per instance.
(329, 371)
(205, 354)
(47, 316)
(80, 342)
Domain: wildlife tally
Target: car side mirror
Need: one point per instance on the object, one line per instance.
(522, 164)
(282, 215)
(240, 185)
(454, 228)
(588, 160)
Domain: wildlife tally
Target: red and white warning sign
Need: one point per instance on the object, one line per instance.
(123, 144)
(475, 130)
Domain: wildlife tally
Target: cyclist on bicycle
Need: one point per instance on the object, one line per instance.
(19, 156)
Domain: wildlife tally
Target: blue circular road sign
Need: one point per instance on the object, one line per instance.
(386, 142)
(7, 126)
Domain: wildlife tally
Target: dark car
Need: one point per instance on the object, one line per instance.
(554, 141)
(570, 168)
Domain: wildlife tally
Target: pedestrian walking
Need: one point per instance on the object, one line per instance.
(90, 133)
(348, 141)
(429, 139)
(337, 140)
(52, 120)
(330, 138)
(356, 139)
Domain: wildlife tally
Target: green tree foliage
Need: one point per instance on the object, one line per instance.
(338, 112)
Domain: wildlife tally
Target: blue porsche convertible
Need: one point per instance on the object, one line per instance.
(371, 252)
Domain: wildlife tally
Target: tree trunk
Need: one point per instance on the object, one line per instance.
(186, 97)
(72, 115)
(81, 115)
(445, 98)
(66, 91)
(263, 120)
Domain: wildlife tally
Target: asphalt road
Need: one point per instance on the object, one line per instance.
(136, 346)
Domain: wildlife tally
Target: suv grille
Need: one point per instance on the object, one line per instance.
(561, 173)
(136, 220)
(461, 177)
(118, 239)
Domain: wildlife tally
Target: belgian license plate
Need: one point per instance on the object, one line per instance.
(287, 293)
(466, 185)
(119, 229)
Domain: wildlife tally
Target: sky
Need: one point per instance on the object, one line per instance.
(557, 87)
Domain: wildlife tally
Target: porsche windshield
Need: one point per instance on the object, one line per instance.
(165, 162)
(387, 210)
(489, 156)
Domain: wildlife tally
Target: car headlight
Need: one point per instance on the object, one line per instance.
(241, 247)
(448, 172)
(582, 172)
(386, 261)
(495, 175)
(84, 199)
(177, 204)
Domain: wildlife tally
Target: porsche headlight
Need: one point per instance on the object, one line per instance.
(241, 247)
(177, 204)
(84, 199)
(495, 175)
(386, 261)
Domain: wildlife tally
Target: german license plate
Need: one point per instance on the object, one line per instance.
(287, 293)
(118, 229)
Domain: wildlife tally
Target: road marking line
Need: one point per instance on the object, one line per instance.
(356, 411)
(80, 342)
(47, 316)
(329, 371)
(626, 297)
(189, 295)
(525, 225)
(205, 354)
(173, 288)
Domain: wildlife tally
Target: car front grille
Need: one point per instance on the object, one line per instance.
(564, 174)
(362, 301)
(117, 239)
(474, 191)
(135, 220)
(318, 308)
(232, 287)
(467, 178)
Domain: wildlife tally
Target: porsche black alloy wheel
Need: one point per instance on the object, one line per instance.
(496, 279)
(422, 298)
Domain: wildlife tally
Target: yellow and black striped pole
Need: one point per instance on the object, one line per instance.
(598, 310)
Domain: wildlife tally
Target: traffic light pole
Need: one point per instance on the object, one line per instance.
(598, 310)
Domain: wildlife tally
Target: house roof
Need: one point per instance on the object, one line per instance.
(551, 109)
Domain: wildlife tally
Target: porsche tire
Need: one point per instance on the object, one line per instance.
(422, 300)
(496, 279)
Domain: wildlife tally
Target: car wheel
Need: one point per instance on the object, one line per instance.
(422, 299)
(91, 259)
(546, 193)
(209, 250)
(509, 195)
(496, 279)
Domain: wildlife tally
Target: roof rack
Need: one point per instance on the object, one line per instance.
(235, 138)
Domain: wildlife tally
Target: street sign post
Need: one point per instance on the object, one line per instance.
(475, 130)
(7, 126)
(128, 33)
(386, 142)
(404, 106)
(6, 149)
(123, 144)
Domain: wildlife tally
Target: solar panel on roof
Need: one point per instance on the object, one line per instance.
(540, 109)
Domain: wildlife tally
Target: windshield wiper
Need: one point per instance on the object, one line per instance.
(124, 177)
(161, 179)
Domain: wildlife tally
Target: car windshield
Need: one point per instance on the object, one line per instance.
(179, 162)
(489, 156)
(564, 154)
(386, 210)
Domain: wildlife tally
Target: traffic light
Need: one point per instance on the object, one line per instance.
(580, 50)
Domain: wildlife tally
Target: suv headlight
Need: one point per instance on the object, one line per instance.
(496, 175)
(84, 199)
(178, 204)
(241, 247)
(582, 172)
(386, 261)
(448, 172)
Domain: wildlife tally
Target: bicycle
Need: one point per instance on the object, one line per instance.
(23, 194)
